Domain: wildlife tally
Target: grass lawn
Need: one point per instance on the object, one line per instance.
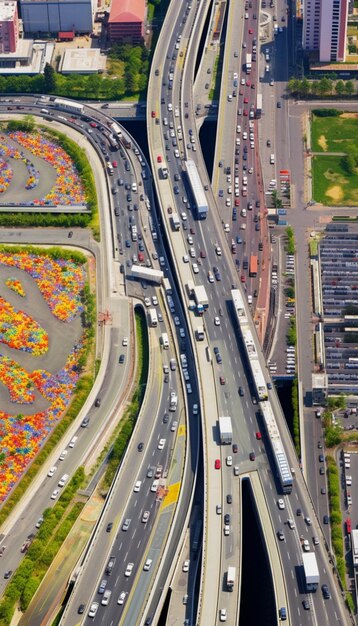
(331, 185)
(334, 134)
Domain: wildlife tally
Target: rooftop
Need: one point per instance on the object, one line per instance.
(82, 61)
(7, 10)
(127, 11)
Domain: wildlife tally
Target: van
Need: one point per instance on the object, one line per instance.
(165, 341)
(137, 486)
(46, 111)
(272, 159)
(155, 485)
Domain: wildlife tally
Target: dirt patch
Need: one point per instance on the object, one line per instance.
(336, 193)
(335, 177)
(322, 142)
(349, 115)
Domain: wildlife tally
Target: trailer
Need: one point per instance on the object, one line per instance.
(197, 189)
(68, 105)
(146, 273)
(225, 429)
(230, 577)
(258, 106)
(253, 265)
(248, 63)
(310, 571)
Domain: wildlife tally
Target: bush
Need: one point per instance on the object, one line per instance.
(326, 112)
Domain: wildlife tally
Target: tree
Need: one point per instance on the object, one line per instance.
(349, 164)
(340, 88)
(349, 88)
(305, 87)
(50, 78)
(325, 86)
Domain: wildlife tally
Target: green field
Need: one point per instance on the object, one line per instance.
(334, 134)
(331, 184)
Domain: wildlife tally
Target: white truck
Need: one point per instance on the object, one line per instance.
(165, 341)
(175, 221)
(311, 572)
(199, 333)
(225, 428)
(230, 577)
(198, 292)
(167, 286)
(173, 401)
(153, 317)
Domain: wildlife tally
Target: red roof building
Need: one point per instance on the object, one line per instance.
(126, 20)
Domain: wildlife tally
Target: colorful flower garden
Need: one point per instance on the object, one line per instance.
(60, 282)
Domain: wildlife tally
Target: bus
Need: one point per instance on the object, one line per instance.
(253, 265)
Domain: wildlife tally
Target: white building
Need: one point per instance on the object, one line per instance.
(54, 16)
(325, 28)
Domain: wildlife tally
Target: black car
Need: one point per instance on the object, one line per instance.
(227, 518)
(326, 592)
(109, 527)
(81, 609)
(122, 358)
(235, 448)
(216, 350)
(98, 402)
(306, 605)
(252, 456)
(229, 498)
(166, 418)
(219, 358)
(299, 512)
(325, 519)
(319, 445)
(321, 458)
(241, 391)
(8, 574)
(140, 446)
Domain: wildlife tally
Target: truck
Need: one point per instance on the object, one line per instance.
(225, 428)
(165, 341)
(146, 273)
(153, 317)
(248, 63)
(199, 294)
(253, 265)
(197, 189)
(310, 571)
(230, 577)
(167, 286)
(163, 171)
(116, 129)
(199, 333)
(258, 106)
(175, 221)
(281, 211)
(110, 168)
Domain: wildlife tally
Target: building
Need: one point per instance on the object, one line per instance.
(126, 21)
(9, 26)
(54, 16)
(82, 61)
(325, 28)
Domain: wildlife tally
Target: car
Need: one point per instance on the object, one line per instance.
(122, 358)
(227, 518)
(55, 494)
(299, 512)
(315, 541)
(217, 464)
(229, 460)
(147, 565)
(321, 458)
(93, 609)
(280, 535)
(321, 471)
(252, 456)
(106, 597)
(325, 519)
(219, 358)
(306, 545)
(308, 521)
(291, 524)
(165, 418)
(185, 567)
(283, 613)
(51, 471)
(223, 615)
(280, 504)
(269, 385)
(97, 402)
(279, 104)
(229, 498)
(217, 321)
(222, 380)
(81, 609)
(241, 391)
(235, 448)
(258, 436)
(126, 524)
(326, 592)
(102, 586)
(125, 341)
(323, 491)
(129, 570)
(161, 444)
(7, 574)
(159, 158)
(122, 597)
(306, 605)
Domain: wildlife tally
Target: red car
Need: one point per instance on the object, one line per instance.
(93, 124)
(202, 254)
(246, 112)
(243, 278)
(258, 435)
(251, 32)
(159, 159)
(246, 100)
(248, 83)
(222, 380)
(141, 257)
(115, 164)
(237, 202)
(217, 464)
(153, 113)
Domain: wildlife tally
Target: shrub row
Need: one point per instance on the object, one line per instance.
(336, 517)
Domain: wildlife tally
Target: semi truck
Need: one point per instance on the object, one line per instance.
(197, 190)
(225, 428)
(198, 292)
(230, 577)
(146, 273)
(258, 106)
(248, 63)
(310, 571)
(253, 265)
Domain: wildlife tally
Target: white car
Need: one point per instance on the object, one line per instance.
(63, 455)
(51, 471)
(125, 342)
(147, 301)
(306, 545)
(223, 615)
(218, 250)
(227, 228)
(176, 153)
(184, 216)
(145, 516)
(242, 81)
(176, 320)
(122, 597)
(308, 521)
(186, 566)
(195, 268)
(174, 426)
(185, 258)
(106, 597)
(147, 565)
(280, 504)
(182, 333)
(190, 240)
(229, 461)
(161, 444)
(195, 409)
(210, 277)
(129, 570)
(55, 494)
(217, 321)
(192, 253)
(93, 609)
(154, 300)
